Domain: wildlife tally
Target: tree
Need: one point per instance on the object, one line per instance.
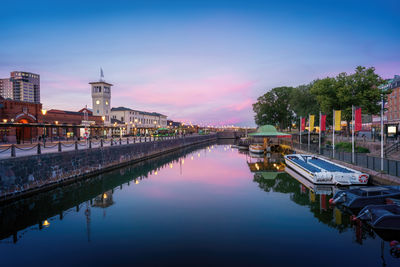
(340, 93)
(274, 108)
(303, 102)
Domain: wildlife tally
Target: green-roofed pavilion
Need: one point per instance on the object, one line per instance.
(269, 131)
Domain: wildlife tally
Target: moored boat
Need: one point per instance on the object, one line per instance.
(322, 171)
(358, 198)
(385, 217)
(256, 148)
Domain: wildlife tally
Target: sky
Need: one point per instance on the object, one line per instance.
(200, 61)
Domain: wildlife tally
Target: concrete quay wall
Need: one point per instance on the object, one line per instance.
(28, 175)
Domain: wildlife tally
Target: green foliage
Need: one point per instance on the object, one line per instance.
(346, 146)
(303, 102)
(274, 108)
(283, 105)
(341, 92)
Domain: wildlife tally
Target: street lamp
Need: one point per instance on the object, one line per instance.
(44, 112)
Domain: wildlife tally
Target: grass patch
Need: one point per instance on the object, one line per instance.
(346, 146)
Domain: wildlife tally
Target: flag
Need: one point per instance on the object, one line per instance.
(303, 124)
(358, 120)
(323, 123)
(312, 117)
(338, 115)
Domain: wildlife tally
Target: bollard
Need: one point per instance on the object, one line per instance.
(39, 151)
(59, 146)
(101, 142)
(111, 142)
(13, 150)
(134, 139)
(145, 139)
(127, 141)
(90, 143)
(120, 141)
(76, 145)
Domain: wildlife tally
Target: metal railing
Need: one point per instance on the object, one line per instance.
(47, 147)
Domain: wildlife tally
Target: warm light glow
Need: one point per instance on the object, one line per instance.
(44, 111)
(137, 182)
(170, 165)
(104, 195)
(191, 158)
(156, 172)
(46, 223)
(183, 161)
(56, 122)
(257, 167)
(5, 120)
(198, 155)
(103, 118)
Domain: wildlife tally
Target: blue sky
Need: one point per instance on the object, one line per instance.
(199, 61)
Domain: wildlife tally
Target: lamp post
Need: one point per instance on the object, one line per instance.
(44, 127)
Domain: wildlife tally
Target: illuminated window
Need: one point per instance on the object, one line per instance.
(97, 102)
(107, 103)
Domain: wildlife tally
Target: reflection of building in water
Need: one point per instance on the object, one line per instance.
(272, 163)
(104, 200)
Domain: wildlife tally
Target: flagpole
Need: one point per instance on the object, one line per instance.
(333, 135)
(319, 137)
(300, 129)
(382, 108)
(352, 134)
(308, 132)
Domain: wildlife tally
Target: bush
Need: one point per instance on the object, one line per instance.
(346, 146)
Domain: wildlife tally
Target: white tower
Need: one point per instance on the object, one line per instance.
(101, 98)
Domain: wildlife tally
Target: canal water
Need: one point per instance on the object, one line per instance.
(207, 206)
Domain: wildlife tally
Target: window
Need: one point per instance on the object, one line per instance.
(98, 102)
(107, 103)
(98, 112)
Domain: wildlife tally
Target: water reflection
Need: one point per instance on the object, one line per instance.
(40, 211)
(271, 178)
(246, 210)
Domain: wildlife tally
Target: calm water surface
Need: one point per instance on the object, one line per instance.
(208, 205)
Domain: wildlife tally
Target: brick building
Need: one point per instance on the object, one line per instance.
(25, 121)
(19, 113)
(393, 105)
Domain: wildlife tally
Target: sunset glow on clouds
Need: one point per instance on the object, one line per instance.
(199, 61)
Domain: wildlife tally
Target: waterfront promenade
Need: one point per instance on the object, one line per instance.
(6, 150)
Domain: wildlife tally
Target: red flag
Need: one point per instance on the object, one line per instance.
(303, 124)
(323, 123)
(358, 122)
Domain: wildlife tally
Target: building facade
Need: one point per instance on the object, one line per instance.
(136, 120)
(21, 86)
(19, 112)
(393, 106)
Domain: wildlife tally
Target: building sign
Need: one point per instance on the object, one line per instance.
(392, 129)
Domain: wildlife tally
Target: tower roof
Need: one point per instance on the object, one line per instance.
(101, 82)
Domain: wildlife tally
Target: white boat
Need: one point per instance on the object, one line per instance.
(322, 171)
(256, 148)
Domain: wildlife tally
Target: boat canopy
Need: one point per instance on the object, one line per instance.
(162, 129)
(269, 131)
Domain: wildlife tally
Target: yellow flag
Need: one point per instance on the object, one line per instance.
(338, 115)
(312, 118)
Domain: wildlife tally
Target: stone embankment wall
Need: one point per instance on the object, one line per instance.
(25, 175)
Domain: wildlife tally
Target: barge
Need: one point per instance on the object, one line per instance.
(322, 171)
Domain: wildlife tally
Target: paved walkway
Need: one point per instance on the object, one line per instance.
(32, 149)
